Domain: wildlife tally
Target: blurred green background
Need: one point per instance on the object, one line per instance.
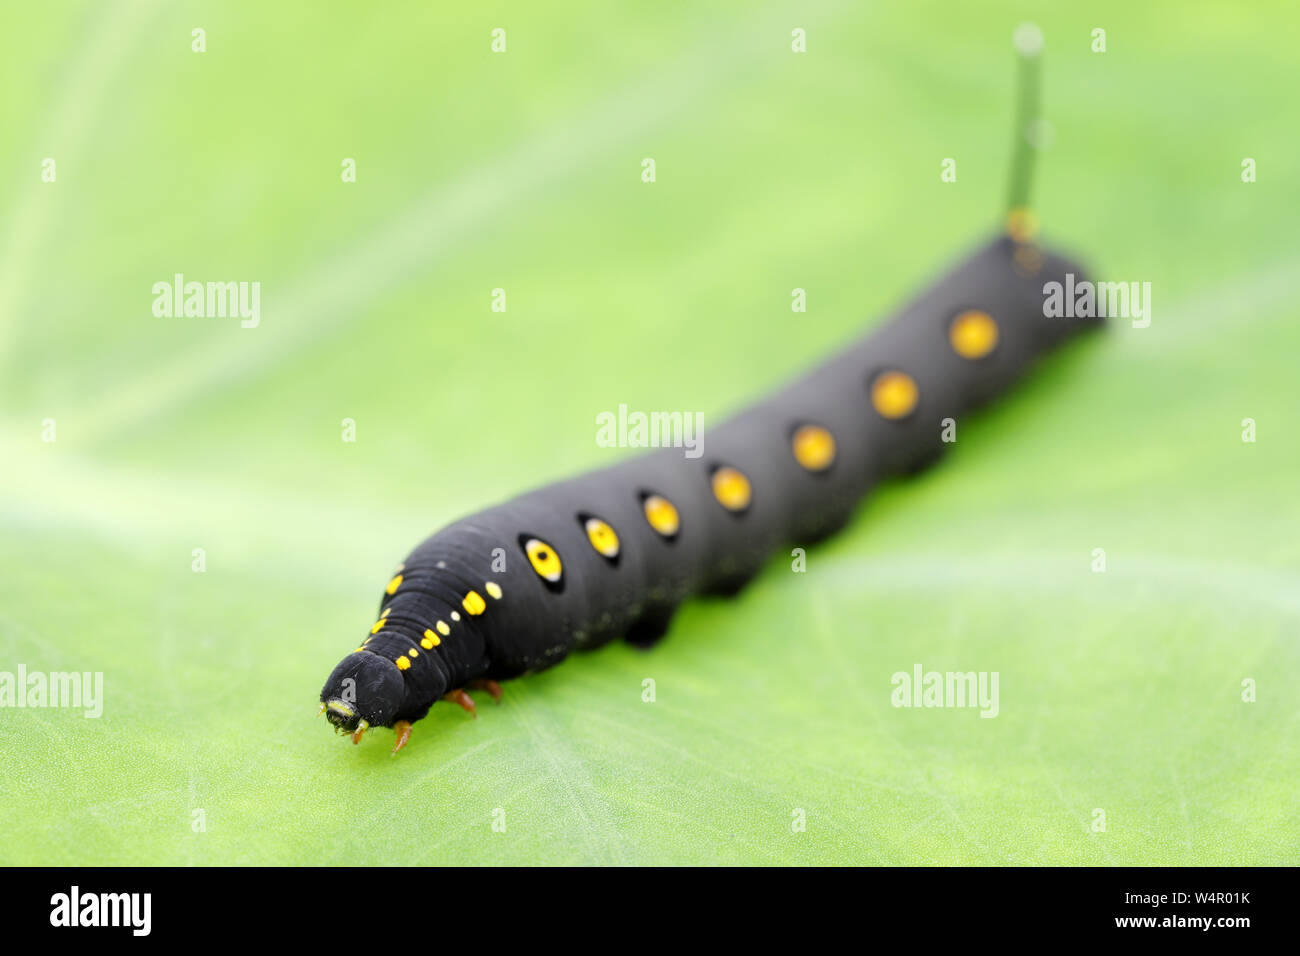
(775, 170)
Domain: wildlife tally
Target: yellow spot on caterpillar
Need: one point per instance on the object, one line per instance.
(430, 640)
(894, 394)
(394, 584)
(442, 627)
(493, 589)
(427, 643)
(340, 708)
(387, 611)
(474, 603)
(402, 663)
(814, 447)
(973, 334)
(358, 650)
(413, 652)
(1022, 224)
(602, 537)
(731, 488)
(543, 559)
(377, 625)
(455, 615)
(661, 514)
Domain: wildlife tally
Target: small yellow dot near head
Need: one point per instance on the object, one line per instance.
(358, 650)
(894, 394)
(731, 488)
(661, 514)
(493, 589)
(387, 611)
(394, 584)
(455, 615)
(474, 603)
(1022, 224)
(973, 334)
(377, 625)
(814, 447)
(413, 652)
(402, 663)
(430, 640)
(443, 628)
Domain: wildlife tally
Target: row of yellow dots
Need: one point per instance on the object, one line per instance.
(972, 334)
(473, 604)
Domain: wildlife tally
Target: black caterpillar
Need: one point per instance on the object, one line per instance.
(613, 553)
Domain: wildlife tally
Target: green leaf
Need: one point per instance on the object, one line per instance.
(1119, 692)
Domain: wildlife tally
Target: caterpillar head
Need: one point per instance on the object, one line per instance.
(363, 688)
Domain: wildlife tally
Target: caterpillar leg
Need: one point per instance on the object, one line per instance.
(914, 461)
(734, 584)
(403, 730)
(491, 686)
(650, 627)
(465, 701)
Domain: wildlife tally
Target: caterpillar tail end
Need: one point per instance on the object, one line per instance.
(1022, 224)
